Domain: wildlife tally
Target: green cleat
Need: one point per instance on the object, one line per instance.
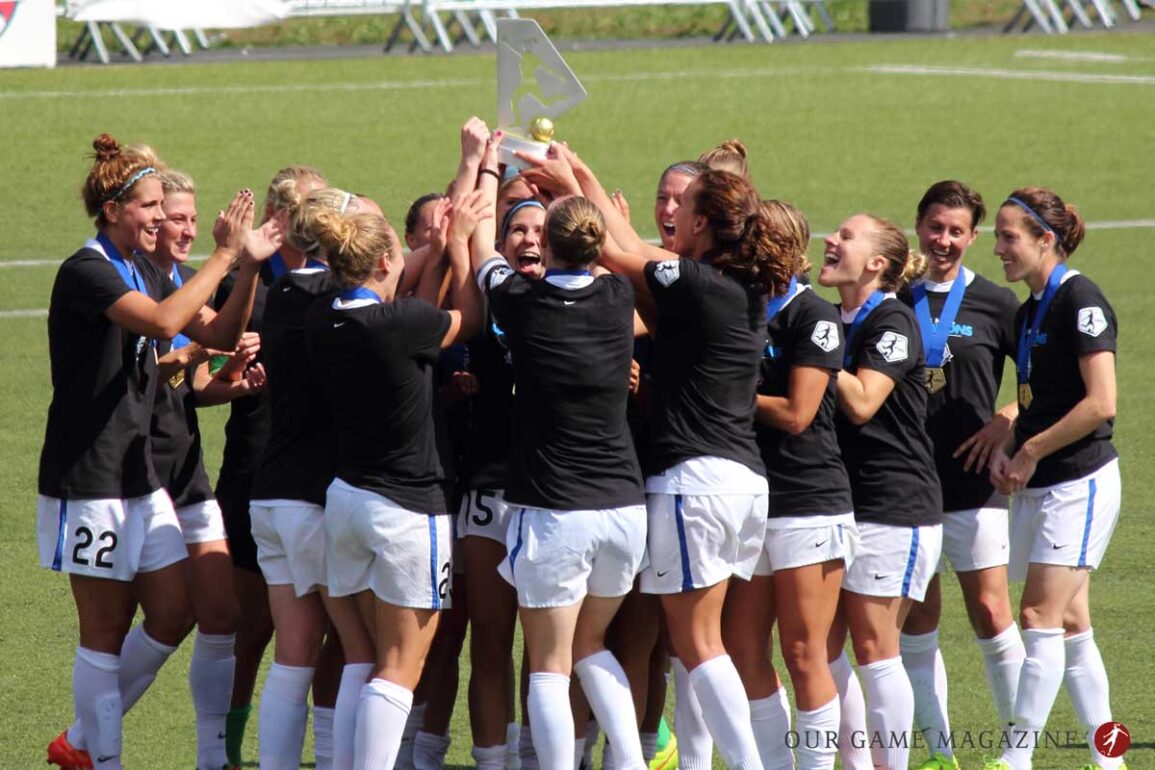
(667, 756)
(997, 764)
(939, 761)
(1093, 766)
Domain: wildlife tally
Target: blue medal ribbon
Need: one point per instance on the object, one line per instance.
(559, 271)
(180, 340)
(871, 303)
(1028, 334)
(278, 267)
(126, 269)
(773, 308)
(360, 292)
(934, 336)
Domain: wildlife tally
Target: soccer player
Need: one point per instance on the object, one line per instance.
(103, 516)
(888, 456)
(1059, 465)
(966, 324)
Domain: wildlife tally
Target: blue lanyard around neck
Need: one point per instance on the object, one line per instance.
(126, 269)
(559, 271)
(871, 303)
(360, 292)
(934, 336)
(278, 267)
(1029, 334)
(775, 305)
(179, 341)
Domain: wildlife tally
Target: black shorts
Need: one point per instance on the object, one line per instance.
(233, 490)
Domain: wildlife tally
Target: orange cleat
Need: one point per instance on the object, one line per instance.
(68, 757)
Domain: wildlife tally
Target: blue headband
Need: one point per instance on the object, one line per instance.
(1035, 216)
(131, 181)
(505, 222)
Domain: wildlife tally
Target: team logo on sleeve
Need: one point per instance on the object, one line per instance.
(7, 10)
(1092, 321)
(667, 272)
(825, 336)
(893, 347)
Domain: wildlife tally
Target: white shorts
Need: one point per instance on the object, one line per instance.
(696, 541)
(372, 543)
(1069, 524)
(290, 539)
(484, 513)
(557, 557)
(201, 522)
(109, 538)
(975, 539)
(827, 538)
(894, 561)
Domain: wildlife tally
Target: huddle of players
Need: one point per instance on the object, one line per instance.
(829, 462)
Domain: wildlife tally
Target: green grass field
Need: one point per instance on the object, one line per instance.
(827, 129)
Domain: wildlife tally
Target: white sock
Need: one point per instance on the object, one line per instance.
(96, 690)
(604, 682)
(525, 749)
(593, 732)
(609, 758)
(141, 658)
(695, 746)
(353, 679)
(210, 680)
(649, 746)
(412, 725)
(852, 741)
(323, 737)
(284, 716)
(381, 716)
(1002, 661)
(579, 751)
(726, 712)
(429, 750)
(818, 737)
(770, 721)
(1086, 680)
(1039, 682)
(922, 659)
(489, 757)
(552, 720)
(889, 711)
(512, 744)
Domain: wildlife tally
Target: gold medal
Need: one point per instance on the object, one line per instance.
(1025, 395)
(935, 379)
(176, 380)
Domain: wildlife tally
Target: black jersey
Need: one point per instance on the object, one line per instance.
(104, 379)
(890, 459)
(572, 340)
(805, 472)
(247, 429)
(489, 437)
(707, 351)
(1079, 321)
(376, 365)
(981, 339)
(176, 436)
(297, 463)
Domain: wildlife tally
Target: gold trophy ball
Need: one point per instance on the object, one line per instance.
(541, 129)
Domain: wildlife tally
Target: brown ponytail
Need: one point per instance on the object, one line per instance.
(903, 264)
(575, 231)
(1044, 206)
(115, 171)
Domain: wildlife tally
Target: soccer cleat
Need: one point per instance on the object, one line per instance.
(997, 764)
(1093, 766)
(64, 754)
(667, 756)
(939, 761)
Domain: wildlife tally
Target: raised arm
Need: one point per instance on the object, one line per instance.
(468, 311)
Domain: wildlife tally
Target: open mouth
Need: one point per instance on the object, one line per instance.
(830, 259)
(668, 229)
(528, 261)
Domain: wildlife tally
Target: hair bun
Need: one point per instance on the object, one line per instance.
(105, 147)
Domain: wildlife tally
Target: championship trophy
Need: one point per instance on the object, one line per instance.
(534, 87)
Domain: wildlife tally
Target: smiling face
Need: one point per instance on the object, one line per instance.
(523, 243)
(944, 235)
(1025, 257)
(134, 223)
(179, 230)
(670, 191)
(420, 235)
(849, 253)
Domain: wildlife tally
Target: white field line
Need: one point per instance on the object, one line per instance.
(1005, 74)
(410, 85)
(1087, 56)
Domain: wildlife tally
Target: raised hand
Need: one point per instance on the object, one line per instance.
(262, 243)
(438, 232)
(234, 223)
(552, 174)
(474, 137)
(468, 210)
(621, 204)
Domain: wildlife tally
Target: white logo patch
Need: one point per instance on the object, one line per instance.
(1092, 321)
(499, 275)
(893, 347)
(825, 336)
(668, 272)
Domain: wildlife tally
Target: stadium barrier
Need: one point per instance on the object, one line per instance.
(1056, 17)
